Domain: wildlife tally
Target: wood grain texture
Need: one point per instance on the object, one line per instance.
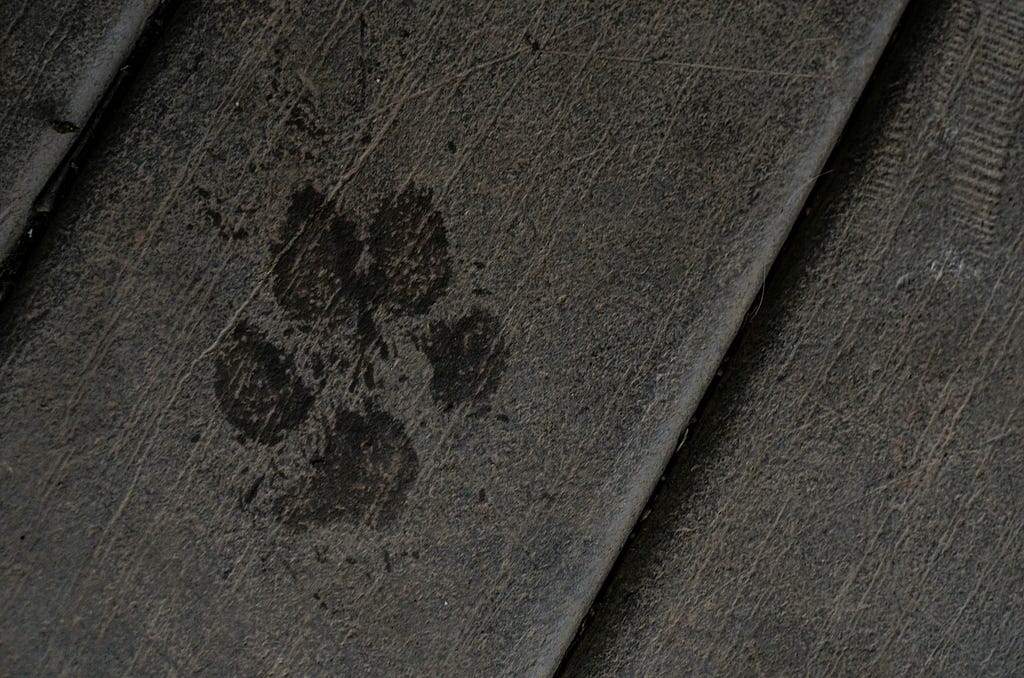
(370, 328)
(852, 500)
(58, 60)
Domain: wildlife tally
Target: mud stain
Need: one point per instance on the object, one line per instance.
(363, 281)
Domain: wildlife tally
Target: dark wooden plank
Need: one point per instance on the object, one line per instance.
(370, 329)
(852, 500)
(56, 62)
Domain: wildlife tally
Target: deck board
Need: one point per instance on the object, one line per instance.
(367, 332)
(58, 60)
(850, 502)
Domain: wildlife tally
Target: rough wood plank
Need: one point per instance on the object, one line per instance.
(369, 331)
(852, 503)
(56, 62)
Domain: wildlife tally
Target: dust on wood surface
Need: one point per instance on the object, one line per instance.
(851, 501)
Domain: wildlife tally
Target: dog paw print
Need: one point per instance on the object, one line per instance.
(353, 288)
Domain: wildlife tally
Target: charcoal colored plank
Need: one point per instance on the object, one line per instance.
(58, 60)
(369, 330)
(852, 500)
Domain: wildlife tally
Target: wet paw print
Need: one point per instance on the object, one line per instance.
(363, 282)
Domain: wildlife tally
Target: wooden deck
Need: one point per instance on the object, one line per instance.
(61, 64)
(850, 501)
(362, 339)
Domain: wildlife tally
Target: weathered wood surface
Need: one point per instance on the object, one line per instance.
(56, 61)
(852, 500)
(368, 330)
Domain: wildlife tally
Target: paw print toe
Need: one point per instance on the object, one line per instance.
(467, 355)
(258, 388)
(409, 245)
(317, 272)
